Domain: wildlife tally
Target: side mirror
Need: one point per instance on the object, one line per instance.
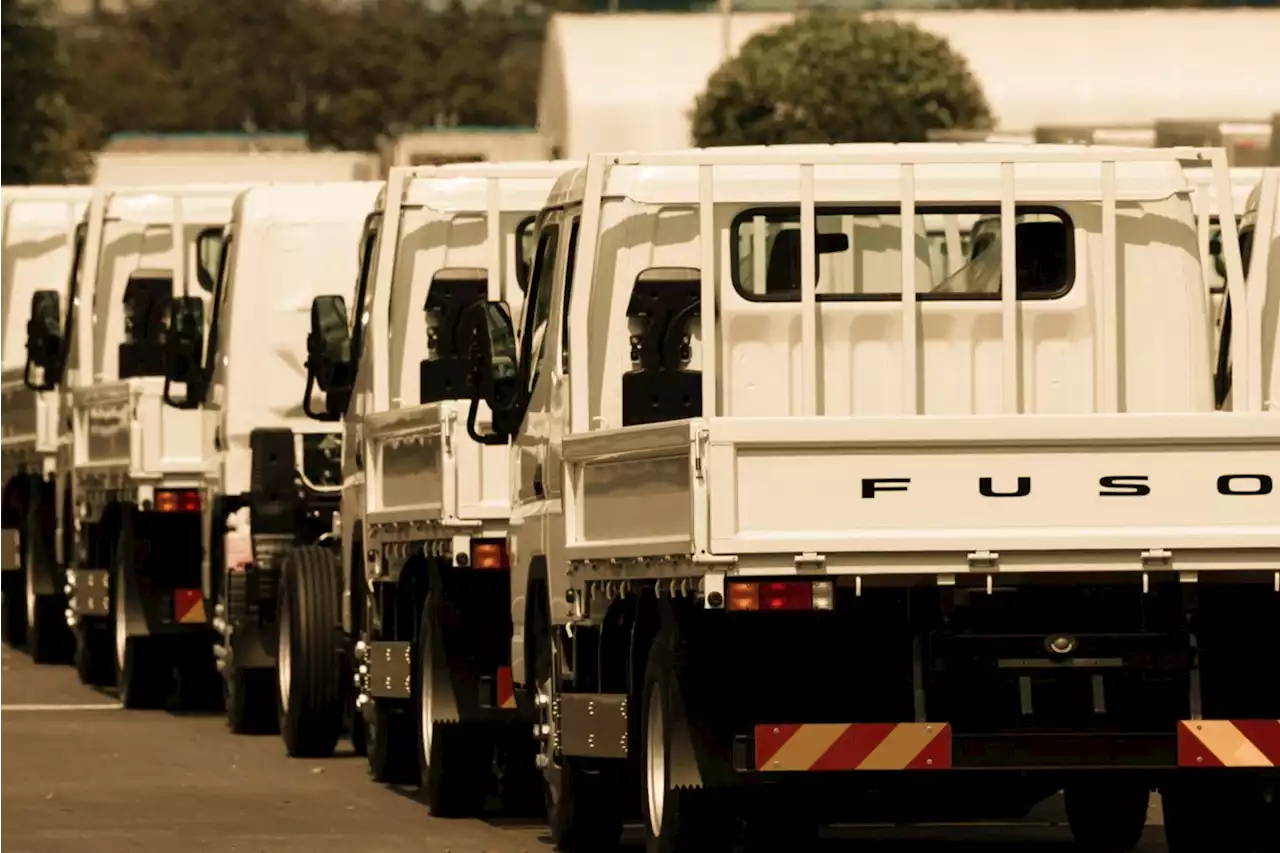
(208, 255)
(495, 375)
(329, 363)
(184, 350)
(44, 340)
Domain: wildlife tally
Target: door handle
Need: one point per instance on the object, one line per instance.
(537, 480)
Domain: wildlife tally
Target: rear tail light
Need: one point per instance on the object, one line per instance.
(178, 500)
(489, 554)
(781, 595)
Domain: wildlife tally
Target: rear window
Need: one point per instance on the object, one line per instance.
(859, 254)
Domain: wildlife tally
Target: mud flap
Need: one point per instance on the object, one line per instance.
(694, 763)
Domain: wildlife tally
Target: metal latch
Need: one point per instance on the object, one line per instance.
(983, 559)
(699, 439)
(1157, 557)
(811, 560)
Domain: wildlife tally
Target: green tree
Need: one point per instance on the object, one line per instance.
(839, 78)
(38, 133)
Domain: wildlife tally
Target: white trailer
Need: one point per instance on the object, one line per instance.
(425, 508)
(39, 245)
(128, 168)
(868, 544)
(273, 475)
(129, 469)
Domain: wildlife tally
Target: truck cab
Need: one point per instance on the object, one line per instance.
(1003, 505)
(273, 475)
(42, 236)
(425, 507)
(132, 469)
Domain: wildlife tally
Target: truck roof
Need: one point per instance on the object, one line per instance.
(301, 203)
(975, 181)
(463, 186)
(154, 204)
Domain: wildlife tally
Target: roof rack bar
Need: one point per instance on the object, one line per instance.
(1011, 345)
(581, 275)
(493, 239)
(707, 324)
(910, 319)
(839, 155)
(1110, 378)
(809, 379)
(179, 229)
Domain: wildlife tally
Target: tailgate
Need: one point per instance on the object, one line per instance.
(935, 493)
(126, 425)
(30, 418)
(424, 466)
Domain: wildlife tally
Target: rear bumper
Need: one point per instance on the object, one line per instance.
(790, 748)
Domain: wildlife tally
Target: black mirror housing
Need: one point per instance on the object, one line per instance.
(329, 362)
(495, 375)
(184, 350)
(44, 340)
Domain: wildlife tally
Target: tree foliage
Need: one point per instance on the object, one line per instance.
(342, 73)
(40, 140)
(839, 78)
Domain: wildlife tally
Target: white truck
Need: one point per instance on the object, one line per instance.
(272, 475)
(129, 470)
(868, 544)
(129, 168)
(422, 587)
(39, 246)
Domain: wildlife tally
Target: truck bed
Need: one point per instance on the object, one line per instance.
(423, 467)
(30, 421)
(906, 495)
(124, 429)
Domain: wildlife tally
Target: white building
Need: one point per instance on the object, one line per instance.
(612, 82)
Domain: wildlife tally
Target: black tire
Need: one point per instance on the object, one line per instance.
(251, 701)
(456, 769)
(144, 672)
(584, 807)
(95, 653)
(391, 734)
(359, 735)
(1218, 817)
(676, 820)
(49, 638)
(310, 692)
(1106, 817)
(200, 685)
(15, 609)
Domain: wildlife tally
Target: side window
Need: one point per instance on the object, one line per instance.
(1222, 374)
(217, 322)
(524, 251)
(858, 250)
(571, 259)
(538, 303)
(368, 252)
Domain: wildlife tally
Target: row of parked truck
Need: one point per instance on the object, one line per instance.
(686, 487)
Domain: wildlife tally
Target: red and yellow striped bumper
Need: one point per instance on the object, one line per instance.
(852, 746)
(1229, 743)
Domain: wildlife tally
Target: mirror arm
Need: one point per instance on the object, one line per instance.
(309, 409)
(44, 385)
(492, 438)
(190, 401)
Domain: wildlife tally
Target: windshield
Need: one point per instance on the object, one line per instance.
(223, 269)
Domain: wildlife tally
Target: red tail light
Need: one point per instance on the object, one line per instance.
(489, 554)
(780, 595)
(177, 500)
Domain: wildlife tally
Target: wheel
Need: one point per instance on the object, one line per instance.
(391, 731)
(1106, 817)
(584, 807)
(454, 758)
(49, 639)
(94, 654)
(309, 664)
(144, 674)
(675, 819)
(251, 701)
(1224, 816)
(200, 685)
(15, 607)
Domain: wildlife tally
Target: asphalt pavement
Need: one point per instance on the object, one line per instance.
(80, 774)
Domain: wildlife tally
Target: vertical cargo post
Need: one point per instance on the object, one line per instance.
(579, 278)
(1010, 344)
(809, 379)
(373, 314)
(910, 320)
(493, 239)
(1109, 384)
(1246, 395)
(707, 325)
